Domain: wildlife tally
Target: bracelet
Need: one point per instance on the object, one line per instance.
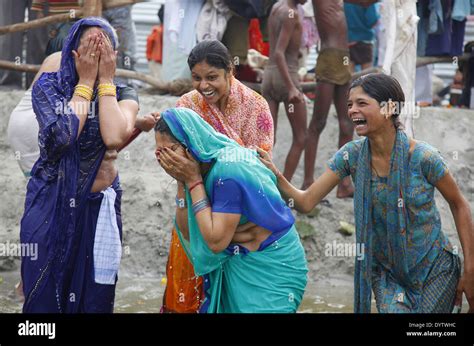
(106, 89)
(84, 91)
(181, 203)
(194, 185)
(200, 205)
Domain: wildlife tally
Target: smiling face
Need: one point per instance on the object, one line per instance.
(211, 82)
(366, 113)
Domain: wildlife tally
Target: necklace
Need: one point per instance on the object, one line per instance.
(373, 167)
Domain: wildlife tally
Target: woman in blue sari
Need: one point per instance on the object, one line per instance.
(408, 262)
(72, 207)
(262, 266)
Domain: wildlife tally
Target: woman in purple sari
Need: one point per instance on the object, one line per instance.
(72, 207)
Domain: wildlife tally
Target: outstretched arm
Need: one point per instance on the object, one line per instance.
(304, 201)
(463, 219)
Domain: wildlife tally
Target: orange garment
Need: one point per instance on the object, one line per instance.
(183, 292)
(154, 44)
(247, 120)
(256, 38)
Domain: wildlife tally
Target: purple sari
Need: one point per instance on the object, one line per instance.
(60, 211)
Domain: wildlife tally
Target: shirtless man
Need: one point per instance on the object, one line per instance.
(333, 77)
(281, 80)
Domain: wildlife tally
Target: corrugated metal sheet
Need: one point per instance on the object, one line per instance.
(144, 15)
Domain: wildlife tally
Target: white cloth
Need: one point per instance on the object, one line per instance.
(212, 20)
(107, 244)
(308, 9)
(400, 22)
(22, 134)
(180, 21)
(179, 37)
(424, 84)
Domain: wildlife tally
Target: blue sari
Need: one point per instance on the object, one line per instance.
(60, 212)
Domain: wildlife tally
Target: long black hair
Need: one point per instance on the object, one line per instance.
(383, 88)
(162, 127)
(213, 52)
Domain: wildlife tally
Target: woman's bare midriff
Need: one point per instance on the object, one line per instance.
(107, 172)
(251, 238)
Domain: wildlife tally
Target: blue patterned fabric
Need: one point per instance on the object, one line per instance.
(58, 191)
(396, 220)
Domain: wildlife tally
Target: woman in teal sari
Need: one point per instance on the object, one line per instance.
(408, 262)
(257, 267)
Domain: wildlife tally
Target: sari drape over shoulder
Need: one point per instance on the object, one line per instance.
(408, 261)
(60, 185)
(271, 279)
(248, 121)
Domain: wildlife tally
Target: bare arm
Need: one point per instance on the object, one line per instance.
(304, 201)
(182, 213)
(87, 68)
(147, 122)
(288, 26)
(217, 229)
(116, 119)
(50, 64)
(463, 220)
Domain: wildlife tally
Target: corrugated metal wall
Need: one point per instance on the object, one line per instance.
(145, 16)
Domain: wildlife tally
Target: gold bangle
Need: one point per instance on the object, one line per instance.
(84, 91)
(84, 96)
(107, 89)
(83, 86)
(107, 94)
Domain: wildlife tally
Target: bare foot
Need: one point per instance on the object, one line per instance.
(19, 291)
(345, 189)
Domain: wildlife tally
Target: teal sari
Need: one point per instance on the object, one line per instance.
(409, 263)
(271, 279)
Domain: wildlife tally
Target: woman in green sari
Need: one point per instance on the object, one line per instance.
(257, 267)
(409, 264)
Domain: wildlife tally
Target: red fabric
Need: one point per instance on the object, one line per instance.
(256, 38)
(154, 44)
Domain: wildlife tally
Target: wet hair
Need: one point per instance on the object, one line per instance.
(162, 127)
(383, 88)
(213, 52)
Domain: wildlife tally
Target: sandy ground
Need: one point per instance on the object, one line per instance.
(148, 199)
